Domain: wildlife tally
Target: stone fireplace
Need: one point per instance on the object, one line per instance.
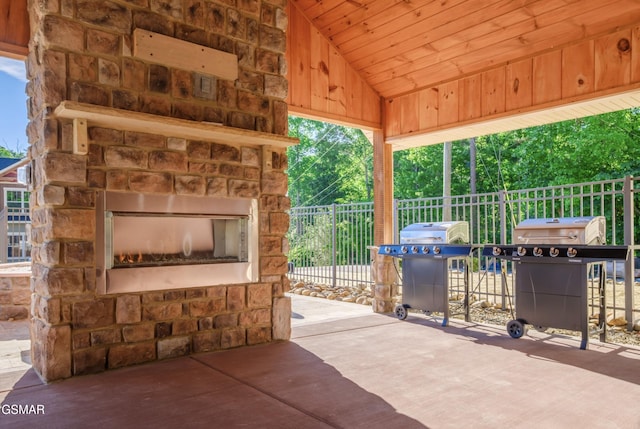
(158, 150)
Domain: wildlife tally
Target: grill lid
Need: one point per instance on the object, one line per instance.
(567, 230)
(436, 232)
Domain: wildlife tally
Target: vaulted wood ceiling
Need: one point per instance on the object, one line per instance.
(449, 69)
(399, 46)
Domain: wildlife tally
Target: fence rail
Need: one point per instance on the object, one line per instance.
(329, 244)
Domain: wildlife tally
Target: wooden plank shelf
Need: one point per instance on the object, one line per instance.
(126, 120)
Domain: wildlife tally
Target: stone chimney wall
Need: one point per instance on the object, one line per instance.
(81, 50)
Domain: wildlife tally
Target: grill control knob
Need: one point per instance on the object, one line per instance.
(497, 251)
(537, 251)
(554, 252)
(414, 249)
(571, 252)
(436, 250)
(522, 251)
(387, 249)
(404, 249)
(425, 249)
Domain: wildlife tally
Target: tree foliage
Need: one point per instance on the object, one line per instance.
(581, 150)
(7, 153)
(334, 164)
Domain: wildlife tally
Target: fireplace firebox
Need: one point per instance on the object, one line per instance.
(155, 242)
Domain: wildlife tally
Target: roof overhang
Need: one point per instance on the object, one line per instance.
(525, 119)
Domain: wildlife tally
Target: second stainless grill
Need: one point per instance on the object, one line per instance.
(428, 251)
(552, 258)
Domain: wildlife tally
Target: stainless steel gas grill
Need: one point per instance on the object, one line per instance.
(427, 251)
(552, 258)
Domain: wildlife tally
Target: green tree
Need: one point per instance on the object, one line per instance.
(332, 164)
(7, 153)
(581, 150)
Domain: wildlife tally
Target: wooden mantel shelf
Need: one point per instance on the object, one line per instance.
(126, 120)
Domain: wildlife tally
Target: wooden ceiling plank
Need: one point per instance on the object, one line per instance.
(337, 80)
(304, 5)
(442, 33)
(322, 7)
(519, 84)
(381, 26)
(343, 16)
(613, 60)
(482, 54)
(354, 96)
(635, 54)
(300, 94)
(547, 84)
(319, 71)
(473, 62)
(483, 34)
(372, 21)
(432, 62)
(14, 22)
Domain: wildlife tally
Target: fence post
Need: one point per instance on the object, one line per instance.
(629, 268)
(334, 241)
(396, 216)
(502, 204)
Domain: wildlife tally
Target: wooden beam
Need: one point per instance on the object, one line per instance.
(160, 49)
(382, 189)
(330, 117)
(171, 127)
(14, 29)
(14, 51)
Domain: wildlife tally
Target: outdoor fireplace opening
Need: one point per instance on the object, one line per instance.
(155, 242)
(149, 240)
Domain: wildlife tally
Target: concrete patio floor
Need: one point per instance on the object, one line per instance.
(348, 368)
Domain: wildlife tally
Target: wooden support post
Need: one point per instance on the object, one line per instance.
(383, 271)
(382, 189)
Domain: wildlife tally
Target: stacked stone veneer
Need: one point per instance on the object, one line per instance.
(15, 295)
(80, 51)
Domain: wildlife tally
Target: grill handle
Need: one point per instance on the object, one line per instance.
(546, 237)
(420, 240)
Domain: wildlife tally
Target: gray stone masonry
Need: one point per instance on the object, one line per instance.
(81, 50)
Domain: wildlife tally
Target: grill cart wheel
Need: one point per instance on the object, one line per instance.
(401, 312)
(515, 328)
